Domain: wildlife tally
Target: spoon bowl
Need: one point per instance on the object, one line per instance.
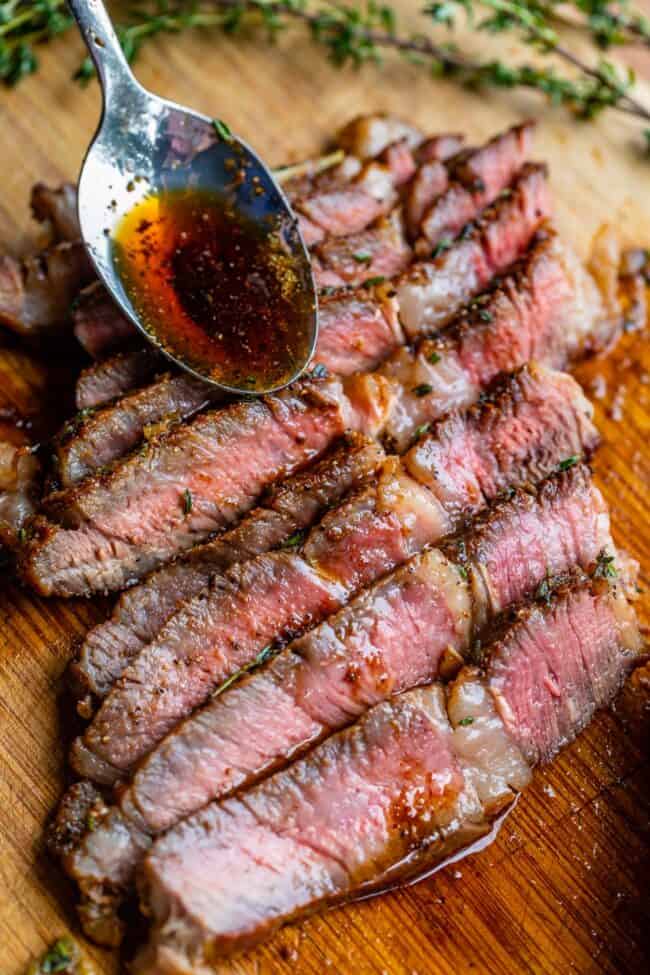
(147, 148)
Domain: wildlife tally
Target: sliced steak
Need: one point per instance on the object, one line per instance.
(214, 635)
(416, 779)
(530, 423)
(92, 441)
(556, 666)
(337, 670)
(477, 178)
(290, 507)
(57, 207)
(368, 135)
(20, 484)
(183, 486)
(522, 318)
(104, 381)
(99, 325)
(36, 294)
(357, 330)
(429, 182)
(431, 293)
(394, 636)
(380, 251)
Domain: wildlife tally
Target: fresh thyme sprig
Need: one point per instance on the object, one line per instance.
(360, 32)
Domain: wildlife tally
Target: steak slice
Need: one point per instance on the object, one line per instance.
(330, 676)
(196, 479)
(394, 636)
(417, 778)
(99, 325)
(520, 432)
(89, 442)
(104, 381)
(357, 330)
(366, 136)
(215, 634)
(57, 207)
(20, 483)
(290, 507)
(431, 293)
(477, 178)
(523, 318)
(556, 666)
(380, 251)
(37, 292)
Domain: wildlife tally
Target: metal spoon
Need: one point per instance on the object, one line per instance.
(146, 145)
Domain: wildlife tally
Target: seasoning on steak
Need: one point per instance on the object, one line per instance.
(104, 381)
(357, 329)
(289, 508)
(184, 485)
(416, 779)
(477, 177)
(379, 251)
(394, 636)
(430, 293)
(99, 325)
(92, 441)
(278, 594)
(37, 292)
(522, 431)
(529, 423)
(331, 675)
(20, 482)
(58, 208)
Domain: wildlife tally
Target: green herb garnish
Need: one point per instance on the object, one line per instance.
(362, 257)
(320, 371)
(423, 389)
(466, 721)
(188, 501)
(605, 566)
(222, 130)
(58, 957)
(421, 430)
(443, 245)
(434, 358)
(485, 315)
(293, 541)
(564, 465)
(371, 282)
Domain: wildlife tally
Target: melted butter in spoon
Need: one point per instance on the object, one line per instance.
(213, 291)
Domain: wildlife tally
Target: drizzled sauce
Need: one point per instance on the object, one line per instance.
(218, 293)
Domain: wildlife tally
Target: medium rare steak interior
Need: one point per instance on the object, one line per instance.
(355, 614)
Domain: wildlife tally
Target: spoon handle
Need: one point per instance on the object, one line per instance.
(103, 46)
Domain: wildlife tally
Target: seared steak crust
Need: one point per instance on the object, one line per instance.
(36, 294)
(433, 606)
(289, 508)
(99, 325)
(58, 207)
(183, 486)
(89, 442)
(432, 292)
(415, 779)
(477, 178)
(104, 381)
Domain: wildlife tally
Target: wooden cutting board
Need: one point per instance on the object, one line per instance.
(565, 886)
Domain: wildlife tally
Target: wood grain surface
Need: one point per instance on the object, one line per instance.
(564, 889)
